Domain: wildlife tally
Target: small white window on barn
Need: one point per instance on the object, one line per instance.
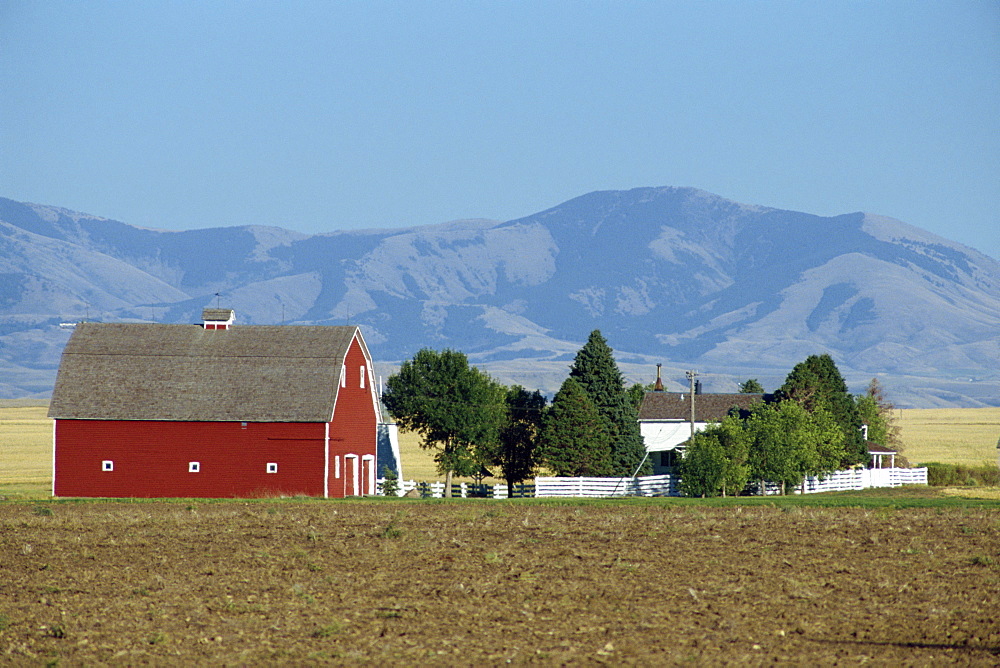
(343, 375)
(272, 467)
(243, 425)
(107, 465)
(336, 466)
(194, 467)
(362, 376)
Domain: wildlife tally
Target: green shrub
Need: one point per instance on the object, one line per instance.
(391, 531)
(961, 475)
(326, 631)
(390, 484)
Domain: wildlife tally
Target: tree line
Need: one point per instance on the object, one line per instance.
(810, 426)
(479, 427)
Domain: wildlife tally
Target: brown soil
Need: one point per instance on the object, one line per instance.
(486, 582)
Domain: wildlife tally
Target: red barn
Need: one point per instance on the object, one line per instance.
(214, 410)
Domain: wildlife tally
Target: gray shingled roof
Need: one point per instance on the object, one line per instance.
(707, 407)
(221, 314)
(187, 373)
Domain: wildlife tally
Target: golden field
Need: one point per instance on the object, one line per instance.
(948, 435)
(951, 435)
(25, 446)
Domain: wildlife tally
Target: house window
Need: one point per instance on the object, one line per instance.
(107, 465)
(362, 376)
(194, 467)
(272, 467)
(668, 458)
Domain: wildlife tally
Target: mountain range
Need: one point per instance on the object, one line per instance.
(676, 276)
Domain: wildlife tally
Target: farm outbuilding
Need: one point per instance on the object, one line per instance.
(215, 410)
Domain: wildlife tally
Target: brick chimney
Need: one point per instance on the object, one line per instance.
(218, 318)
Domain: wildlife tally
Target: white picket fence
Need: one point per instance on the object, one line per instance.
(463, 490)
(855, 479)
(650, 485)
(666, 485)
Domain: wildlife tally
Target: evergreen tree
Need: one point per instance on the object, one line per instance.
(390, 482)
(575, 438)
(595, 369)
(751, 386)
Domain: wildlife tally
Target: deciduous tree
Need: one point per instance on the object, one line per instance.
(515, 452)
(879, 414)
(787, 443)
(703, 465)
(637, 392)
(817, 382)
(716, 460)
(457, 409)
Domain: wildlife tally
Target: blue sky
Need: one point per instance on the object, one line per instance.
(321, 116)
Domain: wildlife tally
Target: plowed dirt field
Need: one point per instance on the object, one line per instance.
(486, 583)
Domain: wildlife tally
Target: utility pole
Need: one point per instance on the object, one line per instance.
(691, 375)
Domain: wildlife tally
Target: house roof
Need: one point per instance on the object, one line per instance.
(876, 449)
(707, 407)
(187, 373)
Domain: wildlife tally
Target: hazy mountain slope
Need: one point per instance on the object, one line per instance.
(673, 275)
(44, 277)
(195, 261)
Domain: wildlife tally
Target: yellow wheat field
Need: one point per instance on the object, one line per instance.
(25, 448)
(951, 435)
(417, 463)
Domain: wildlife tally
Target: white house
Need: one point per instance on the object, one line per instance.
(665, 420)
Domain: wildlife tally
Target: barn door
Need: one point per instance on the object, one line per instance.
(368, 474)
(351, 475)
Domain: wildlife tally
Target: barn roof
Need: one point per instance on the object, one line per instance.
(217, 314)
(187, 373)
(707, 407)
